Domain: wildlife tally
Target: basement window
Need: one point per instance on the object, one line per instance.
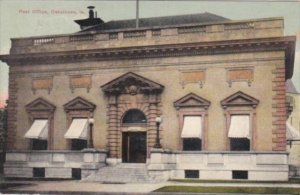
(76, 173)
(191, 174)
(39, 172)
(239, 174)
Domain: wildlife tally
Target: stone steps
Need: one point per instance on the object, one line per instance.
(121, 173)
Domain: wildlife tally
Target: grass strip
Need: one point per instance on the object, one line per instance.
(245, 190)
(291, 181)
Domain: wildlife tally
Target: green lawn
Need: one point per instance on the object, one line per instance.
(291, 181)
(246, 190)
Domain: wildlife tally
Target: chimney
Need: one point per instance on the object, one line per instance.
(92, 20)
(91, 12)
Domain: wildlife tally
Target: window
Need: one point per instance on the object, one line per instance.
(191, 174)
(191, 144)
(240, 117)
(38, 172)
(192, 133)
(239, 133)
(192, 112)
(134, 116)
(76, 173)
(41, 118)
(239, 144)
(39, 144)
(78, 133)
(38, 133)
(239, 174)
(78, 144)
(79, 117)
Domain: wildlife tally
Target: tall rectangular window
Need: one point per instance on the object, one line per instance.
(239, 133)
(192, 133)
(78, 133)
(38, 133)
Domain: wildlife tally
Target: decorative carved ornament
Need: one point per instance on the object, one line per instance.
(131, 83)
(239, 99)
(240, 75)
(192, 100)
(193, 76)
(79, 103)
(80, 81)
(39, 83)
(39, 105)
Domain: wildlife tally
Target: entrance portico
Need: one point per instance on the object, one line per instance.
(133, 105)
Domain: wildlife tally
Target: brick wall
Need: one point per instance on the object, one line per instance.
(279, 110)
(12, 112)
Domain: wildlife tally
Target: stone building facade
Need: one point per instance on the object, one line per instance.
(218, 85)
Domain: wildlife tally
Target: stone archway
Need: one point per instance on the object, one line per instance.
(134, 137)
(127, 92)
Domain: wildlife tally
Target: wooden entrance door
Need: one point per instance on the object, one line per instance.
(134, 147)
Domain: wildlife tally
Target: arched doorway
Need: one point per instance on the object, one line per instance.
(134, 140)
(128, 92)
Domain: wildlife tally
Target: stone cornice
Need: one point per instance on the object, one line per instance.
(286, 44)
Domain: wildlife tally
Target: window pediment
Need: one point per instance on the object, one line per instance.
(131, 83)
(239, 99)
(192, 100)
(79, 103)
(40, 104)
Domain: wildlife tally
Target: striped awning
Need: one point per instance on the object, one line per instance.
(78, 129)
(38, 130)
(192, 127)
(239, 126)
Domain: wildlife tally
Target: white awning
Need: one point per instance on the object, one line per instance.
(291, 132)
(192, 127)
(38, 130)
(239, 126)
(78, 129)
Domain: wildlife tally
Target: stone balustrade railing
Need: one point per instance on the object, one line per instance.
(142, 33)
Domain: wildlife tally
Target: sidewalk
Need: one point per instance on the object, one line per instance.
(81, 187)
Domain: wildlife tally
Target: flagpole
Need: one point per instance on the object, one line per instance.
(137, 14)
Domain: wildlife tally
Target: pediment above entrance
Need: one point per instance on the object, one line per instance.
(192, 100)
(79, 103)
(40, 104)
(131, 83)
(239, 99)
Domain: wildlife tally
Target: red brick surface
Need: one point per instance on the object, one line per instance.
(279, 110)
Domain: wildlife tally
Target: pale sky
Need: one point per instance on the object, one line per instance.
(26, 18)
